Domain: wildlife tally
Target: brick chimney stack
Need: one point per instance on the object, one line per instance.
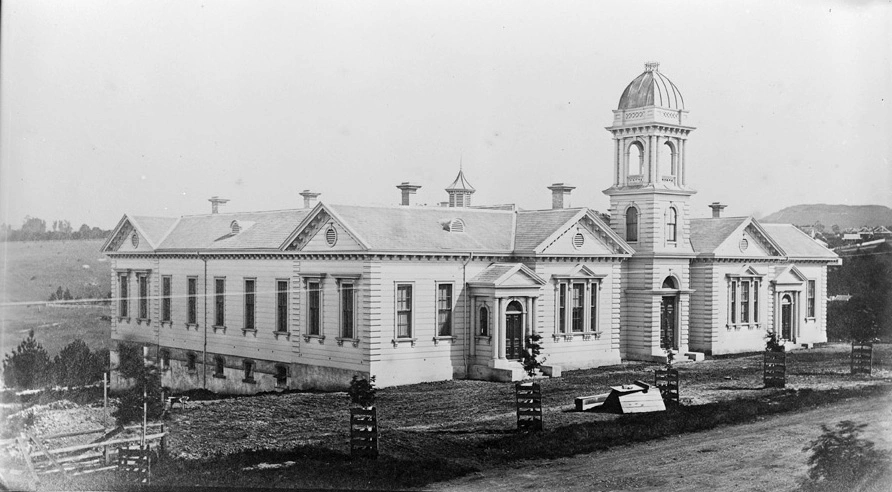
(309, 198)
(560, 195)
(716, 209)
(407, 190)
(216, 202)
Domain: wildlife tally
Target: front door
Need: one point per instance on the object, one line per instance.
(667, 323)
(514, 331)
(787, 317)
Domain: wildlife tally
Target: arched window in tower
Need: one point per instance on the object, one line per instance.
(669, 283)
(672, 225)
(636, 159)
(668, 159)
(632, 224)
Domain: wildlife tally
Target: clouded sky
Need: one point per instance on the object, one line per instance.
(151, 107)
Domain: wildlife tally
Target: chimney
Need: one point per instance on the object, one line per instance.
(560, 195)
(716, 209)
(407, 190)
(216, 202)
(309, 198)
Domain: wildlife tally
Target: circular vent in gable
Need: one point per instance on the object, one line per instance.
(578, 240)
(331, 236)
(743, 244)
(134, 239)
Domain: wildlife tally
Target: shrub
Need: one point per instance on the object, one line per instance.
(531, 354)
(28, 366)
(362, 391)
(772, 344)
(77, 366)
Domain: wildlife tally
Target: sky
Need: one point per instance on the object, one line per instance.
(152, 107)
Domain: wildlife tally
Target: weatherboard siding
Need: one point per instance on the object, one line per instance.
(400, 361)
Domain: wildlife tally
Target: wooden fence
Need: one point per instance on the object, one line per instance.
(39, 457)
(528, 397)
(364, 432)
(862, 358)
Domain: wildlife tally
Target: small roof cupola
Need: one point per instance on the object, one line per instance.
(216, 202)
(460, 191)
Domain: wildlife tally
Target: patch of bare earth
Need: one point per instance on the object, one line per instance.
(438, 431)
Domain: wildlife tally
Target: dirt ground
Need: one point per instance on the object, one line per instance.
(767, 455)
(448, 429)
(469, 408)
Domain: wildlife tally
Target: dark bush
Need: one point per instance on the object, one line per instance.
(77, 366)
(146, 386)
(28, 366)
(362, 391)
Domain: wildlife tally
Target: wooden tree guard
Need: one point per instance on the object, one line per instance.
(529, 406)
(364, 432)
(862, 358)
(775, 369)
(135, 464)
(666, 380)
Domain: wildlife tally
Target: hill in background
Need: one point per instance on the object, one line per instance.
(844, 216)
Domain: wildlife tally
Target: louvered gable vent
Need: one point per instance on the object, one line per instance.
(235, 227)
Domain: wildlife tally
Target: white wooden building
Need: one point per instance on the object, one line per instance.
(306, 298)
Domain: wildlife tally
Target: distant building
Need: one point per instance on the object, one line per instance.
(306, 298)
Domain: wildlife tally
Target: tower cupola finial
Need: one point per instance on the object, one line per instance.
(652, 66)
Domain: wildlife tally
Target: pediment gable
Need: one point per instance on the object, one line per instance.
(749, 241)
(323, 231)
(748, 271)
(578, 271)
(127, 237)
(789, 275)
(507, 275)
(585, 234)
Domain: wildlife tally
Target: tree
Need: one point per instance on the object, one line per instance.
(77, 366)
(531, 354)
(841, 459)
(146, 386)
(28, 366)
(66, 295)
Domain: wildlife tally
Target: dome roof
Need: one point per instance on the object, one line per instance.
(651, 88)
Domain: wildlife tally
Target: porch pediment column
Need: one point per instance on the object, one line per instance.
(500, 338)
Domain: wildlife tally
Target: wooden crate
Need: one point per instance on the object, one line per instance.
(666, 380)
(862, 358)
(775, 369)
(364, 432)
(135, 464)
(528, 397)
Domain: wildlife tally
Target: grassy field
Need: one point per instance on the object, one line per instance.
(33, 270)
(438, 431)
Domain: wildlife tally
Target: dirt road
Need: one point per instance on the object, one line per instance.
(762, 456)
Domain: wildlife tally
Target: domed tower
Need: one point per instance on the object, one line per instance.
(649, 209)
